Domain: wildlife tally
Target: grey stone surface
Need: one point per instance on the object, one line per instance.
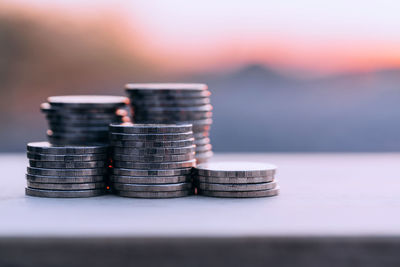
(321, 195)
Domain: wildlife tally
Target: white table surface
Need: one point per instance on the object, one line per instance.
(321, 195)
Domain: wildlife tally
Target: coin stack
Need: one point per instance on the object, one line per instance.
(152, 160)
(175, 103)
(83, 120)
(66, 171)
(236, 179)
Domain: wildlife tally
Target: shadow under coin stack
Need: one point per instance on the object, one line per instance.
(83, 120)
(236, 179)
(66, 171)
(175, 103)
(152, 160)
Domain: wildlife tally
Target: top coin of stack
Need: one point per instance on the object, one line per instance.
(175, 103)
(83, 119)
(236, 179)
(66, 171)
(152, 160)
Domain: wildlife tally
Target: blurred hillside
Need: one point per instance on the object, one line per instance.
(256, 109)
(259, 110)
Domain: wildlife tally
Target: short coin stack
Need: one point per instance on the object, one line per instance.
(175, 103)
(66, 171)
(82, 120)
(236, 179)
(152, 160)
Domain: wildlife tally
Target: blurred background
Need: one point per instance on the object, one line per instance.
(289, 75)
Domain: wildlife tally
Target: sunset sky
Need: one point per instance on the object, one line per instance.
(309, 35)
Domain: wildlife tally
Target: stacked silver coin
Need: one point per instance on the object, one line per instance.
(175, 103)
(152, 160)
(236, 179)
(83, 120)
(66, 171)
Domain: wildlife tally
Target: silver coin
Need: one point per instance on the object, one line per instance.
(236, 187)
(47, 148)
(146, 120)
(170, 116)
(202, 160)
(234, 180)
(101, 140)
(203, 148)
(65, 180)
(171, 194)
(151, 137)
(154, 172)
(84, 115)
(201, 128)
(67, 164)
(180, 102)
(169, 91)
(201, 135)
(66, 172)
(83, 125)
(63, 194)
(202, 141)
(166, 86)
(168, 94)
(154, 144)
(60, 115)
(130, 128)
(204, 108)
(90, 101)
(154, 151)
(84, 118)
(150, 179)
(151, 166)
(60, 123)
(241, 194)
(48, 186)
(145, 115)
(160, 95)
(144, 112)
(50, 157)
(70, 142)
(152, 187)
(153, 158)
(64, 135)
(196, 123)
(78, 140)
(204, 155)
(89, 110)
(235, 169)
(98, 131)
(136, 97)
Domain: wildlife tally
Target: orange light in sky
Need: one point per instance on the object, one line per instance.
(322, 57)
(186, 36)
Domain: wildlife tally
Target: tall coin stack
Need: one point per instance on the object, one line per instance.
(236, 179)
(175, 103)
(83, 120)
(66, 171)
(152, 160)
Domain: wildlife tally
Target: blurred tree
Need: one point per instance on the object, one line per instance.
(44, 53)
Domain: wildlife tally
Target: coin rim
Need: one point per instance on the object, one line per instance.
(63, 194)
(241, 194)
